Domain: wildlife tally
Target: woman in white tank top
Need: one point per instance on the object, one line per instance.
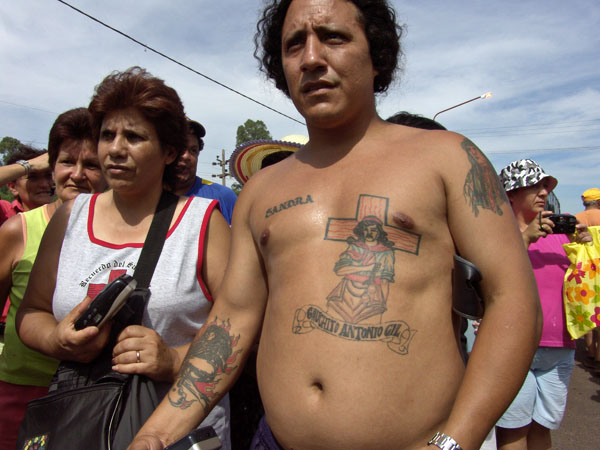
(141, 129)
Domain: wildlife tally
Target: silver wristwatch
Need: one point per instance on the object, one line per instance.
(444, 442)
(26, 165)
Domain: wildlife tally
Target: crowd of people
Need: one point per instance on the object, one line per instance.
(336, 285)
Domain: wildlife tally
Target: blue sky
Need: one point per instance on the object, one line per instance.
(540, 59)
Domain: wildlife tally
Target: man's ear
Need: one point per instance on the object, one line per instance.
(171, 154)
(12, 187)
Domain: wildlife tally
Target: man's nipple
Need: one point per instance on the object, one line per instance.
(264, 237)
(404, 220)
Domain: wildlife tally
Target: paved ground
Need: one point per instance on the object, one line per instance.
(582, 418)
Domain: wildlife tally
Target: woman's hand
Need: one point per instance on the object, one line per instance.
(83, 345)
(540, 227)
(39, 163)
(141, 350)
(581, 235)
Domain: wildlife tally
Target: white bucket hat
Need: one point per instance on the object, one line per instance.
(524, 173)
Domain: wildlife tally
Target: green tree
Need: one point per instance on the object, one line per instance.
(5, 194)
(251, 131)
(8, 145)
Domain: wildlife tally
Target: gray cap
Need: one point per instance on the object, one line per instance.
(524, 173)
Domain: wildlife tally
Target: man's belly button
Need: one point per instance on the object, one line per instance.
(316, 389)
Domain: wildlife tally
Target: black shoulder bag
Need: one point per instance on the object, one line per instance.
(89, 406)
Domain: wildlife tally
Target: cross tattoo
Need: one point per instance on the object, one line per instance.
(371, 205)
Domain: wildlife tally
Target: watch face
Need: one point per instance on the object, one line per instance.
(24, 163)
(444, 442)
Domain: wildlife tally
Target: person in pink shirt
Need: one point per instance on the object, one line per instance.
(540, 404)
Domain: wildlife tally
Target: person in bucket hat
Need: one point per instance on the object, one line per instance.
(539, 406)
(524, 173)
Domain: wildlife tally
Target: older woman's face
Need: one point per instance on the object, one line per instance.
(77, 170)
(130, 152)
(531, 199)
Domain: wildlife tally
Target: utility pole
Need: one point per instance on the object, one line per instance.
(223, 163)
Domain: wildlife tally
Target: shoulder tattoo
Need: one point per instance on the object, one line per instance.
(482, 187)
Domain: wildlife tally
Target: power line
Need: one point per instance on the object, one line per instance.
(533, 125)
(28, 107)
(536, 128)
(541, 150)
(177, 62)
(531, 132)
(472, 133)
(519, 130)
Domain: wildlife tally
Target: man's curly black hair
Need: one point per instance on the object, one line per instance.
(381, 30)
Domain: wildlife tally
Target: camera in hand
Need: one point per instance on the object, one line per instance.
(563, 223)
(107, 303)
(204, 438)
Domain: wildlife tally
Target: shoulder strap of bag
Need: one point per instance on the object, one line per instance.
(155, 239)
(133, 311)
(72, 374)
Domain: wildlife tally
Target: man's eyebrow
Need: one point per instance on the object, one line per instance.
(321, 29)
(329, 27)
(294, 35)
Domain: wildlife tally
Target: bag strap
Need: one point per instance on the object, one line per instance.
(155, 239)
(133, 311)
(71, 374)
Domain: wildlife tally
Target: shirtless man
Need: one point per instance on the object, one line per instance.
(394, 378)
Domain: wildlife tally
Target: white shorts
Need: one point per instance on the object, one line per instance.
(543, 396)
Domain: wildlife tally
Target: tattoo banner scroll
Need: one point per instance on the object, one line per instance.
(397, 334)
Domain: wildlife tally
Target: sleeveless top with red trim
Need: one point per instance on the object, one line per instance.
(179, 301)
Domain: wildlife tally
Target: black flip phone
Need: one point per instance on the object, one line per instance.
(563, 223)
(204, 438)
(107, 303)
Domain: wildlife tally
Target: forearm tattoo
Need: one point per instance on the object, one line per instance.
(482, 187)
(209, 357)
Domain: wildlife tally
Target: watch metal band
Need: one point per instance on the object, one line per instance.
(26, 165)
(444, 442)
